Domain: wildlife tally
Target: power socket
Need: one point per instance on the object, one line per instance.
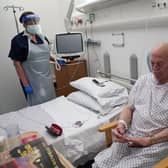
(91, 18)
(161, 4)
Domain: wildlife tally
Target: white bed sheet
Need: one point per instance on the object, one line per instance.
(75, 142)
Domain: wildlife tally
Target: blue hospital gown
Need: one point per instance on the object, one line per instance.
(150, 116)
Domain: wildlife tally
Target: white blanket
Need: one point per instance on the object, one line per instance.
(75, 141)
(78, 141)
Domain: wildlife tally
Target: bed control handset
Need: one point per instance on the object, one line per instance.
(98, 83)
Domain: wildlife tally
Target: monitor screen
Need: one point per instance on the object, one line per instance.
(69, 45)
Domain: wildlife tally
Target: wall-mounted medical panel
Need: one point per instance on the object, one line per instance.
(95, 5)
(140, 22)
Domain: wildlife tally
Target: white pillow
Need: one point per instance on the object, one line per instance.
(115, 100)
(87, 85)
(85, 100)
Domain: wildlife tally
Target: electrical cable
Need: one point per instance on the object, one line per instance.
(57, 66)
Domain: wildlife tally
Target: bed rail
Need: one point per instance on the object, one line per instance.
(126, 82)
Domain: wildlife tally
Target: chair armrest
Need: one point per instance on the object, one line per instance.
(162, 164)
(107, 126)
(108, 133)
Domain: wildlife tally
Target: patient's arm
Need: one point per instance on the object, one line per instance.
(21, 73)
(159, 137)
(120, 130)
(138, 141)
(52, 59)
(126, 114)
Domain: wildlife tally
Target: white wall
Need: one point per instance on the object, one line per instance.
(137, 20)
(52, 13)
(140, 37)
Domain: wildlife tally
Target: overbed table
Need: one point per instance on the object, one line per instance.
(25, 135)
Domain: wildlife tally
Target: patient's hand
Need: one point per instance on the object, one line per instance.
(119, 134)
(139, 142)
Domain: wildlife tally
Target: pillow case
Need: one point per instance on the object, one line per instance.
(85, 100)
(87, 85)
(115, 100)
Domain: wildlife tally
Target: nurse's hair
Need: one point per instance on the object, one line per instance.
(25, 14)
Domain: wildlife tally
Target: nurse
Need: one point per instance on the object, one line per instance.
(30, 54)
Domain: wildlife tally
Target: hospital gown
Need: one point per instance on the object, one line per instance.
(150, 116)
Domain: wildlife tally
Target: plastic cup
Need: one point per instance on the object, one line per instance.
(2, 144)
(13, 134)
(4, 156)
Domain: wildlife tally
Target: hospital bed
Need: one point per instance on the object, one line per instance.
(80, 140)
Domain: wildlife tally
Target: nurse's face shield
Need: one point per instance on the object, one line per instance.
(30, 19)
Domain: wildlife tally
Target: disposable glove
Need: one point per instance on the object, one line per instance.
(28, 89)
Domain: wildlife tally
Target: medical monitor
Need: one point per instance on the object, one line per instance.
(69, 45)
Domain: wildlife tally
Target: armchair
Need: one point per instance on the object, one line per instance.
(108, 135)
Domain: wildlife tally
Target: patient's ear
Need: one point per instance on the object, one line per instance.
(148, 58)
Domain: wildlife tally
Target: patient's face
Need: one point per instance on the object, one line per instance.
(159, 63)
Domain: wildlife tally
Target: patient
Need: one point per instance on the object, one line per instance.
(141, 137)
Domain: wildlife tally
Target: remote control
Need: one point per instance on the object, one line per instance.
(98, 83)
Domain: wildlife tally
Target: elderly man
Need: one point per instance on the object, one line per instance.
(141, 137)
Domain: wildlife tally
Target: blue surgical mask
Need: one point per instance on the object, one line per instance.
(34, 29)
